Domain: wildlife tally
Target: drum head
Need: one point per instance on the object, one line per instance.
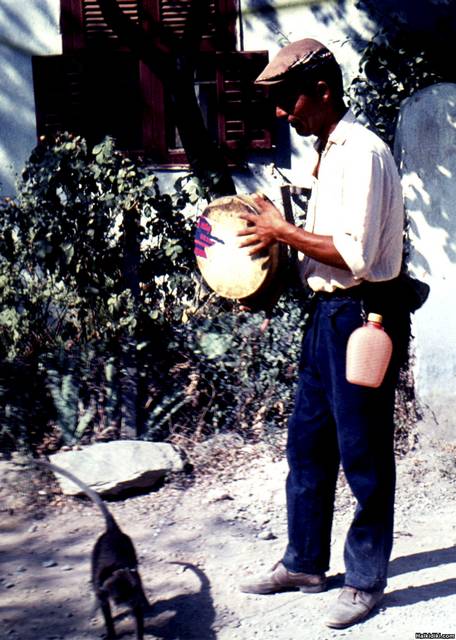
(225, 266)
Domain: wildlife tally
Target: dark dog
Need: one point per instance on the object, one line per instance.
(114, 564)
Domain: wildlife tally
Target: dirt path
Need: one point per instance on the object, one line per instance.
(196, 542)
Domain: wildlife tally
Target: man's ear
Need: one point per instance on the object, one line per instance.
(323, 91)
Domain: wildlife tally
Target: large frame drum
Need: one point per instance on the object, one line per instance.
(225, 266)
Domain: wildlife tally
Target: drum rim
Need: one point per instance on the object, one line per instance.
(271, 259)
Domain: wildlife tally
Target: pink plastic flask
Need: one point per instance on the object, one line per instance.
(369, 350)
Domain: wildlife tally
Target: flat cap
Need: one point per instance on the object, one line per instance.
(303, 54)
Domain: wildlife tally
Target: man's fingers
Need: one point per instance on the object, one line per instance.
(250, 217)
(255, 246)
(249, 242)
(257, 249)
(245, 232)
(262, 202)
(260, 197)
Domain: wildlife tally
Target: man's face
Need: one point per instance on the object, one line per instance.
(305, 113)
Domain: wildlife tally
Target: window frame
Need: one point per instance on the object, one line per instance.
(76, 41)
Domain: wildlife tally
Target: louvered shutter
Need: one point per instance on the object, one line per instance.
(83, 25)
(245, 115)
(173, 15)
(98, 87)
(94, 95)
(97, 33)
(57, 85)
(218, 35)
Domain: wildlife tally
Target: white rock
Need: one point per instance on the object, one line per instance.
(112, 467)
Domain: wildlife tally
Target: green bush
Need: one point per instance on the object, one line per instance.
(235, 376)
(105, 326)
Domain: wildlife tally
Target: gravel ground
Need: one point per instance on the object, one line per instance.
(196, 539)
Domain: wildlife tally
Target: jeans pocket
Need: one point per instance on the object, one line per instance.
(345, 316)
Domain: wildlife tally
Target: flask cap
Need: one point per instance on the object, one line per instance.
(375, 317)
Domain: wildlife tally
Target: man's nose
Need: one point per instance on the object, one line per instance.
(281, 113)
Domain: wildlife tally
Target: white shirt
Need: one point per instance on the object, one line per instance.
(356, 199)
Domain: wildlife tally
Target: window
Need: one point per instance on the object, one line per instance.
(99, 87)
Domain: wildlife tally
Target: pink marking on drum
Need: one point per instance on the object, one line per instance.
(204, 238)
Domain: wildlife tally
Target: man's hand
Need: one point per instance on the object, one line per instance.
(264, 228)
(269, 226)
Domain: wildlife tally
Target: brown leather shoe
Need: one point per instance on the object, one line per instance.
(352, 605)
(280, 579)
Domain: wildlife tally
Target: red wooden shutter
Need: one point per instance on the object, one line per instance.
(173, 14)
(58, 93)
(83, 25)
(112, 92)
(245, 116)
(220, 33)
(94, 95)
(97, 33)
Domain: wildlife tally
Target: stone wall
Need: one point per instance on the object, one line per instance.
(426, 155)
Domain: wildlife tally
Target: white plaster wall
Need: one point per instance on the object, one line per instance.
(27, 27)
(426, 154)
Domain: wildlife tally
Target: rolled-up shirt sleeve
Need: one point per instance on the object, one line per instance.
(360, 223)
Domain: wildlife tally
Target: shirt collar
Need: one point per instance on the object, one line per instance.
(340, 132)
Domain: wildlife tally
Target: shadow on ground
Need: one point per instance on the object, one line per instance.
(188, 615)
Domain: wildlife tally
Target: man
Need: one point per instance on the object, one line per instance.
(350, 256)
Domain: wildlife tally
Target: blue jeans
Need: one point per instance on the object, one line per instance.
(335, 422)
